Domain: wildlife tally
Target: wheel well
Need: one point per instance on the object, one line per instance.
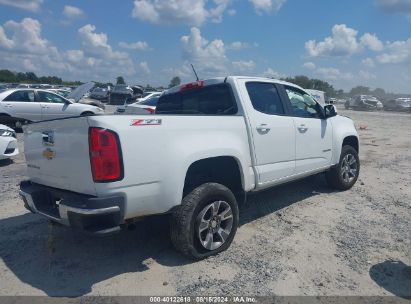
(223, 170)
(351, 141)
(86, 113)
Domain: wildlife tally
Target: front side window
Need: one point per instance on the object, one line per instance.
(209, 100)
(303, 104)
(21, 96)
(264, 98)
(50, 97)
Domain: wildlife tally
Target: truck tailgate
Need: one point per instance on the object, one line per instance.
(57, 154)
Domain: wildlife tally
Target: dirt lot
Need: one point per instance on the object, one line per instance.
(297, 239)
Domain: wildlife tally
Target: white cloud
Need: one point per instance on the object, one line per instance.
(231, 12)
(396, 52)
(309, 65)
(372, 42)
(267, 6)
(26, 50)
(238, 45)
(216, 13)
(72, 12)
(395, 6)
(366, 75)
(209, 57)
(270, 73)
(144, 67)
(343, 42)
(26, 36)
(189, 12)
(75, 55)
(28, 5)
(139, 45)
(368, 62)
(332, 74)
(243, 66)
(96, 44)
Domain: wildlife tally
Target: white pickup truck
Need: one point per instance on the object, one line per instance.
(209, 143)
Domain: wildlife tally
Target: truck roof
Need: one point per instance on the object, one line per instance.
(218, 80)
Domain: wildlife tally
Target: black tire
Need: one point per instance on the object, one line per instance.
(185, 226)
(337, 176)
(7, 120)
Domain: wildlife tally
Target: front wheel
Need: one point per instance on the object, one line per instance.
(206, 222)
(344, 175)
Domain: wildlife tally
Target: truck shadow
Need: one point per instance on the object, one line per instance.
(61, 262)
(393, 276)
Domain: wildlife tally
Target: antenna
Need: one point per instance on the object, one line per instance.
(195, 73)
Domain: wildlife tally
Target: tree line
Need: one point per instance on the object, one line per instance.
(8, 76)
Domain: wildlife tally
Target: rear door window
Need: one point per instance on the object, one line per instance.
(21, 96)
(265, 98)
(209, 100)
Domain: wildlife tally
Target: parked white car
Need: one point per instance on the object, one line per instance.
(8, 142)
(148, 95)
(148, 106)
(209, 144)
(19, 106)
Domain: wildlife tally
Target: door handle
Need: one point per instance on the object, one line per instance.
(8, 105)
(45, 107)
(302, 128)
(264, 128)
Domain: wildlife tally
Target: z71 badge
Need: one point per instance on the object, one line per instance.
(146, 122)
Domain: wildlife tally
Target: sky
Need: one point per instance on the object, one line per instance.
(347, 43)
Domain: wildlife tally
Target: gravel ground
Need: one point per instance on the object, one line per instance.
(296, 239)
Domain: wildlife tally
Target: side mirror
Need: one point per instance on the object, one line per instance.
(330, 111)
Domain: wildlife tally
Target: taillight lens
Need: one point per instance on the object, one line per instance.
(193, 85)
(105, 155)
(150, 110)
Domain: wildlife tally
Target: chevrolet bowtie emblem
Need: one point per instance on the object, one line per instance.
(49, 154)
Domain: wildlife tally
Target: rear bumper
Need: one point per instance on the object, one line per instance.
(96, 215)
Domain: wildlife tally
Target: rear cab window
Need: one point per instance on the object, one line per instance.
(214, 99)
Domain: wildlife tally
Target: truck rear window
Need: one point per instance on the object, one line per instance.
(209, 100)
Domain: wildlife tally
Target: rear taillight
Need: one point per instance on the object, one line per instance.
(105, 155)
(150, 110)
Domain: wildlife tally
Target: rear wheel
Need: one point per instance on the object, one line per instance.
(206, 222)
(344, 175)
